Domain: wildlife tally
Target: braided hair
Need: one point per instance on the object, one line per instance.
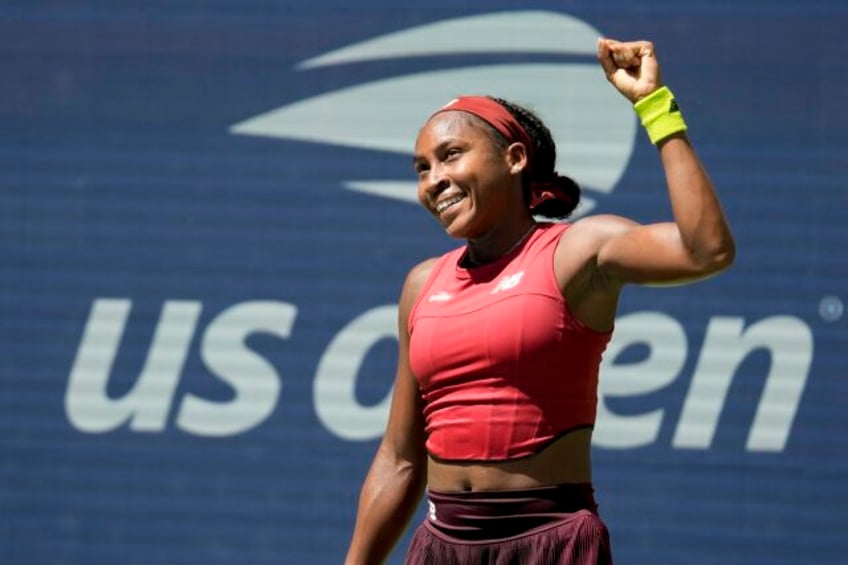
(542, 173)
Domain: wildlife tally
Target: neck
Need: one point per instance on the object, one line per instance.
(493, 246)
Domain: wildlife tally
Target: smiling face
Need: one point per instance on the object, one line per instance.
(469, 181)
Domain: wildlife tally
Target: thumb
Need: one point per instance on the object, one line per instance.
(648, 58)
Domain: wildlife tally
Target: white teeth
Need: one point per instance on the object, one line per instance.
(445, 204)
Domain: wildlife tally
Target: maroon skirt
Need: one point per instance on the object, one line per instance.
(556, 525)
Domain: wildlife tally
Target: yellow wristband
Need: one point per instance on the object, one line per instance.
(660, 115)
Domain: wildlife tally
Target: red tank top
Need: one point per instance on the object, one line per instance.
(503, 366)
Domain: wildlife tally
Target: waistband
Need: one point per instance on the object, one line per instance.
(488, 515)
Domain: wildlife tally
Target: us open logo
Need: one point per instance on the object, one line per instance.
(595, 128)
(593, 125)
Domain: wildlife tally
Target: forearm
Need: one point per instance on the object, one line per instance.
(699, 243)
(704, 231)
(389, 497)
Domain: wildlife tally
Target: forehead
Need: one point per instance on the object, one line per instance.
(450, 125)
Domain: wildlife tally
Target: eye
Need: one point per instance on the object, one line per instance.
(452, 153)
(421, 168)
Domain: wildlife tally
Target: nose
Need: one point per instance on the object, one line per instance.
(434, 182)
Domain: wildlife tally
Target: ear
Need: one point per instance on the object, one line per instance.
(516, 158)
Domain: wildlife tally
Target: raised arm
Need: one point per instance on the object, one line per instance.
(698, 243)
(396, 479)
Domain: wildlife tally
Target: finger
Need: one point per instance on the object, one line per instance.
(625, 55)
(650, 66)
(645, 50)
(605, 57)
(633, 52)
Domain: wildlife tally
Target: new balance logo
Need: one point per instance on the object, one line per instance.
(431, 511)
(673, 107)
(508, 282)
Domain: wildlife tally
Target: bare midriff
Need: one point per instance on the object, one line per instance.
(566, 460)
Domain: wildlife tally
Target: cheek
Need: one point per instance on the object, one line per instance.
(422, 196)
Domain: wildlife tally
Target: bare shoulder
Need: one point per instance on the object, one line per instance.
(577, 255)
(415, 281)
(584, 239)
(600, 228)
(419, 273)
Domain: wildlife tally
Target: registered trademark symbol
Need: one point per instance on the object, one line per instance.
(831, 308)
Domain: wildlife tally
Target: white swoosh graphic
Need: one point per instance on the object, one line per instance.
(594, 126)
(507, 32)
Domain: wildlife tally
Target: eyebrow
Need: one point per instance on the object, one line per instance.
(418, 158)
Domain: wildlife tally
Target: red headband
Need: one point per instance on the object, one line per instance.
(493, 114)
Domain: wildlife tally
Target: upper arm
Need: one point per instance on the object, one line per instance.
(628, 252)
(404, 435)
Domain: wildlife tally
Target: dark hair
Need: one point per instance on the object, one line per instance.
(542, 172)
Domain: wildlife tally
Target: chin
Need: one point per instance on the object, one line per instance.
(461, 225)
(459, 229)
(455, 234)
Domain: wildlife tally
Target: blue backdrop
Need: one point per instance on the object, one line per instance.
(206, 217)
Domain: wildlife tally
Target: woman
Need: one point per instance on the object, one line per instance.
(500, 340)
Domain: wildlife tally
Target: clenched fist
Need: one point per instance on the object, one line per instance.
(631, 67)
